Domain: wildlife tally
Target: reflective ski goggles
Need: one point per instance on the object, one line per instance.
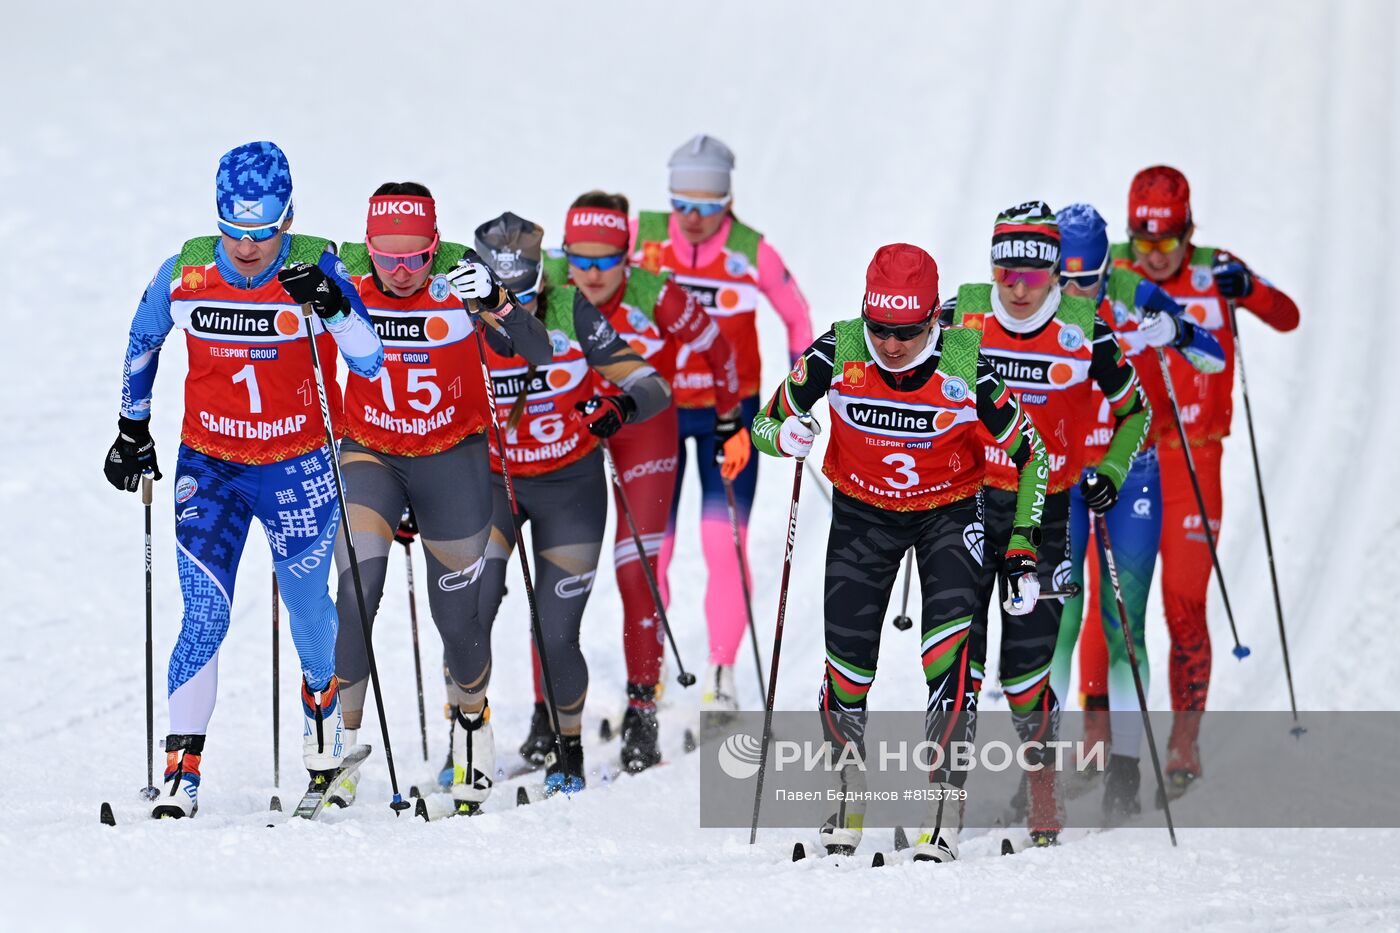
(1033, 278)
(413, 262)
(601, 263)
(258, 233)
(707, 207)
(528, 295)
(1163, 245)
(897, 331)
(1088, 280)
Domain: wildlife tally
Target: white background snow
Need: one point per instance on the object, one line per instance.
(855, 125)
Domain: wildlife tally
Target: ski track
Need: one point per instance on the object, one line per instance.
(854, 126)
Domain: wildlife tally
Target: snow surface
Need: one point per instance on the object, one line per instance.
(854, 126)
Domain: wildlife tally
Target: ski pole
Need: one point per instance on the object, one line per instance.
(1297, 729)
(276, 685)
(1132, 662)
(684, 678)
(902, 621)
(535, 628)
(778, 639)
(1240, 651)
(149, 791)
(398, 803)
(744, 580)
(417, 658)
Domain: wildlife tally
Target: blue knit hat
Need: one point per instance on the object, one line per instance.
(1083, 239)
(254, 184)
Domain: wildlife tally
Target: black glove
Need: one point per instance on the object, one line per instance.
(1099, 492)
(131, 454)
(604, 415)
(408, 528)
(307, 284)
(725, 428)
(1232, 277)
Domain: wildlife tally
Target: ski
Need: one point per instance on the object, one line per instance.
(314, 800)
(425, 813)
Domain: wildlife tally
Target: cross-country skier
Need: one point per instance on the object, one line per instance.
(553, 416)
(1144, 318)
(1207, 281)
(658, 320)
(905, 458)
(1050, 348)
(253, 443)
(725, 265)
(417, 433)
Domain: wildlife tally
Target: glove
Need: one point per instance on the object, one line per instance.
(472, 280)
(1099, 492)
(131, 454)
(1232, 277)
(1022, 585)
(795, 438)
(408, 528)
(1159, 329)
(307, 284)
(726, 426)
(604, 415)
(734, 455)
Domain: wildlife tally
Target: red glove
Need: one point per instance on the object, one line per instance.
(604, 415)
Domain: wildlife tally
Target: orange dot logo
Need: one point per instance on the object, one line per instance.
(1198, 313)
(557, 378)
(286, 323)
(1061, 373)
(638, 348)
(436, 328)
(944, 420)
(728, 298)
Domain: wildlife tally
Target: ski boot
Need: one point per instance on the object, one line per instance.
(474, 759)
(1097, 736)
(180, 798)
(718, 703)
(842, 831)
(1120, 789)
(536, 747)
(565, 776)
(937, 840)
(641, 746)
(342, 793)
(323, 733)
(1044, 819)
(1183, 755)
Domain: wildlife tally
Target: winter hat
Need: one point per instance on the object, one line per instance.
(253, 185)
(1026, 235)
(511, 247)
(1159, 202)
(1083, 239)
(402, 215)
(702, 164)
(901, 286)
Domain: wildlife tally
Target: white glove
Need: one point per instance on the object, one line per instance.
(795, 438)
(471, 280)
(1022, 584)
(1158, 329)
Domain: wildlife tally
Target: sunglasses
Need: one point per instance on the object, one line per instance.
(897, 331)
(258, 233)
(1033, 278)
(1085, 280)
(1164, 245)
(708, 207)
(413, 262)
(601, 263)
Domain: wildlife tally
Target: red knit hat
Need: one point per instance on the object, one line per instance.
(901, 286)
(1159, 202)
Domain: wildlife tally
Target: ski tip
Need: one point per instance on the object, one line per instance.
(901, 841)
(605, 732)
(420, 810)
(878, 861)
(1008, 847)
(799, 851)
(690, 743)
(275, 805)
(413, 791)
(104, 815)
(1240, 651)
(522, 796)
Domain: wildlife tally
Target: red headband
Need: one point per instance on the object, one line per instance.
(401, 214)
(596, 225)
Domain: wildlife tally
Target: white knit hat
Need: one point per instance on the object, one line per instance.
(702, 164)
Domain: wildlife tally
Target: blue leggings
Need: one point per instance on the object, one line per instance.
(215, 501)
(1135, 527)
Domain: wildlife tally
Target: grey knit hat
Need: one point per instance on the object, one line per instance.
(510, 244)
(702, 164)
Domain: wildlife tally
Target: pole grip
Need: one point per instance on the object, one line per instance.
(146, 490)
